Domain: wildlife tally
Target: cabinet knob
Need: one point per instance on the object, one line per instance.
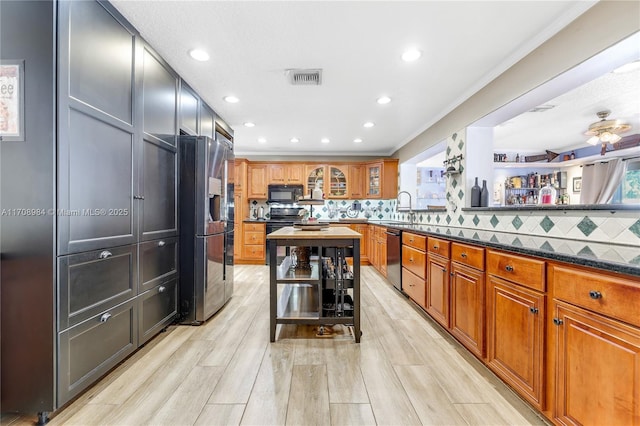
(508, 268)
(595, 294)
(410, 240)
(161, 243)
(411, 260)
(105, 254)
(436, 247)
(533, 310)
(444, 270)
(463, 255)
(558, 321)
(161, 289)
(105, 317)
(451, 273)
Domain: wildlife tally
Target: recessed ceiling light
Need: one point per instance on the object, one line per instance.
(295, 140)
(262, 140)
(383, 100)
(249, 124)
(199, 55)
(231, 99)
(368, 124)
(357, 140)
(631, 66)
(325, 140)
(411, 55)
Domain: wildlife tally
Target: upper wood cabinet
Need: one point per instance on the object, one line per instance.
(382, 179)
(356, 181)
(286, 174)
(240, 175)
(315, 174)
(257, 181)
(332, 179)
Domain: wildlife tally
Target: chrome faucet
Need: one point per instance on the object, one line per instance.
(411, 214)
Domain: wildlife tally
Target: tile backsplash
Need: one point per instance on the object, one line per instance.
(341, 209)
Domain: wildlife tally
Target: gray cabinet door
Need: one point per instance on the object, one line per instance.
(90, 349)
(189, 108)
(158, 262)
(97, 130)
(91, 282)
(158, 184)
(207, 121)
(157, 308)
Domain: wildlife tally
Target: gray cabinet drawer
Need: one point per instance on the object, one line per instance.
(92, 282)
(158, 262)
(157, 308)
(90, 349)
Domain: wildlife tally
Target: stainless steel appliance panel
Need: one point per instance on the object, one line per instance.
(228, 265)
(188, 109)
(94, 281)
(158, 262)
(394, 253)
(159, 87)
(157, 308)
(90, 349)
(210, 297)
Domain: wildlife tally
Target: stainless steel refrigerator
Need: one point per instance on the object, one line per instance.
(206, 226)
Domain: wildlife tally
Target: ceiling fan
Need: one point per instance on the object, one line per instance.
(605, 131)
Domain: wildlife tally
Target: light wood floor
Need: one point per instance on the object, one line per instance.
(226, 372)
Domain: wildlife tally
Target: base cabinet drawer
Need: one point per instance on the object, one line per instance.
(253, 252)
(158, 262)
(90, 349)
(414, 260)
(157, 309)
(414, 286)
(90, 283)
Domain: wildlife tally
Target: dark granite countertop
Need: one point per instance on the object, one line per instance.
(624, 259)
(554, 207)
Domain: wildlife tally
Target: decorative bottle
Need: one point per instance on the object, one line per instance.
(475, 194)
(484, 195)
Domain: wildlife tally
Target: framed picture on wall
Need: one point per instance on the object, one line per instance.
(11, 100)
(577, 184)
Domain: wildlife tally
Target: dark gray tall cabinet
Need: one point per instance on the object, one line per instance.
(83, 288)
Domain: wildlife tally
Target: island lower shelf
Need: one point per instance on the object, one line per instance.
(314, 278)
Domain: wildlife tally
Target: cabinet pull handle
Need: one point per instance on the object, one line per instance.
(509, 268)
(464, 255)
(161, 243)
(105, 254)
(558, 321)
(533, 310)
(105, 317)
(161, 289)
(138, 197)
(595, 294)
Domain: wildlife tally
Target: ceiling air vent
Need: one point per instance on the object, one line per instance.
(305, 77)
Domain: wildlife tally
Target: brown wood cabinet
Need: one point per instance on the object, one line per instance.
(356, 181)
(515, 337)
(363, 229)
(594, 337)
(254, 240)
(438, 288)
(257, 181)
(285, 173)
(467, 297)
(381, 179)
(378, 248)
(414, 267)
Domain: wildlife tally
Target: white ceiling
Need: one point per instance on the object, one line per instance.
(358, 44)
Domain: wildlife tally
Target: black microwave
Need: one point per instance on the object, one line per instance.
(284, 194)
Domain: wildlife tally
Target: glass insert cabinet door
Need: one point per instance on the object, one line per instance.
(337, 183)
(315, 178)
(373, 180)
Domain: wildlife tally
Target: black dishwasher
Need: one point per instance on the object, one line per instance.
(394, 264)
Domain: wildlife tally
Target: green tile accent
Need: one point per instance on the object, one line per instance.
(448, 151)
(494, 239)
(635, 260)
(438, 218)
(428, 218)
(461, 194)
(635, 228)
(517, 242)
(460, 144)
(420, 218)
(587, 226)
(461, 234)
(476, 220)
(454, 136)
(547, 224)
(494, 221)
(448, 219)
(517, 222)
(461, 168)
(460, 219)
(454, 183)
(476, 236)
(547, 247)
(586, 251)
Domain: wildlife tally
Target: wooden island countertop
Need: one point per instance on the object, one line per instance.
(291, 233)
